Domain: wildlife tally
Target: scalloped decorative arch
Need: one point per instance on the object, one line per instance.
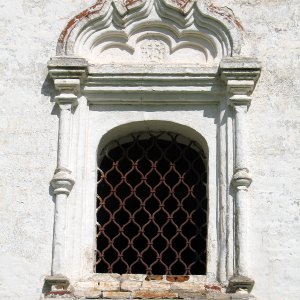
(151, 31)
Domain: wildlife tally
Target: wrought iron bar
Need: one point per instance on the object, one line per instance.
(152, 206)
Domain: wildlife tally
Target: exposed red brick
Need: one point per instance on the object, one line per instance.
(227, 14)
(153, 295)
(213, 287)
(178, 278)
(84, 14)
(116, 295)
(97, 7)
(182, 3)
(154, 277)
(59, 293)
(192, 295)
(129, 2)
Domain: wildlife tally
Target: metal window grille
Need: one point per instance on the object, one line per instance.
(152, 206)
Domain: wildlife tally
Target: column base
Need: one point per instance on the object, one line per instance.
(240, 283)
(56, 285)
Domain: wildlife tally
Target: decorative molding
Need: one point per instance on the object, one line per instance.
(67, 67)
(68, 88)
(241, 179)
(62, 182)
(140, 85)
(240, 102)
(160, 31)
(67, 85)
(67, 73)
(240, 75)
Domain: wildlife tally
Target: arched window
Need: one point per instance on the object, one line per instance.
(152, 206)
(147, 62)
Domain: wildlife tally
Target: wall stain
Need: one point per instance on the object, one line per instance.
(84, 14)
(182, 3)
(227, 13)
(128, 3)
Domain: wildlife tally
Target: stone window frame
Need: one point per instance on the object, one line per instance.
(227, 84)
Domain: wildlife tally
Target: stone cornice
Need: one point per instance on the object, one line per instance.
(240, 74)
(64, 67)
(68, 74)
(117, 84)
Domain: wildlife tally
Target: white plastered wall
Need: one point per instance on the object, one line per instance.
(28, 135)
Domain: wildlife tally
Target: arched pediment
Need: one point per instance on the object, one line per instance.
(149, 32)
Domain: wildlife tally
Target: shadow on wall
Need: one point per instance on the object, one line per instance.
(48, 90)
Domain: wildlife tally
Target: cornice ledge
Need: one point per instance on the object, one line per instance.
(67, 67)
(145, 84)
(240, 74)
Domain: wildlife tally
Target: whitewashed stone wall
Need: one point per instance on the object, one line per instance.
(28, 136)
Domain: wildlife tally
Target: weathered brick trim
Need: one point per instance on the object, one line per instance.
(134, 286)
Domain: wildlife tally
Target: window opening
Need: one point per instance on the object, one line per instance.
(152, 206)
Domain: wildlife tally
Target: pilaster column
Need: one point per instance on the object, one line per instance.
(240, 76)
(68, 73)
(62, 181)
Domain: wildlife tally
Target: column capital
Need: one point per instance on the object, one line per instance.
(68, 74)
(68, 90)
(240, 75)
(66, 85)
(240, 103)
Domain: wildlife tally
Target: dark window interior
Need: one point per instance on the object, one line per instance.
(152, 206)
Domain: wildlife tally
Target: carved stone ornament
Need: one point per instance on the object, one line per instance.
(161, 31)
(241, 179)
(62, 181)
